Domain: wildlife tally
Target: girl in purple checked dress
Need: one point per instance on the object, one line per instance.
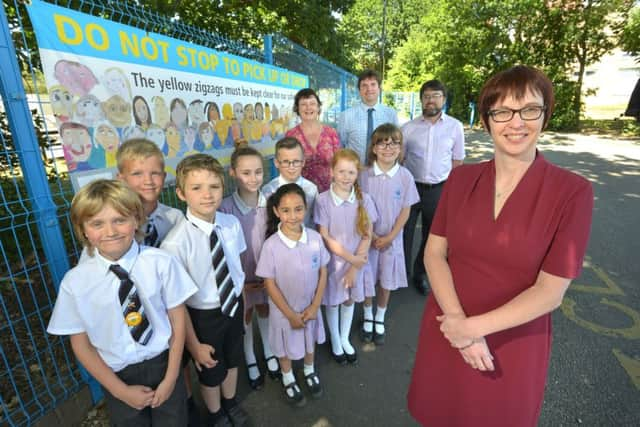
(249, 205)
(393, 190)
(293, 264)
(344, 215)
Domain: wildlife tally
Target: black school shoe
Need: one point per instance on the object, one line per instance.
(238, 416)
(378, 339)
(293, 395)
(352, 359)
(257, 383)
(274, 375)
(313, 385)
(366, 337)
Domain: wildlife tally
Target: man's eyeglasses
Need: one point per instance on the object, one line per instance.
(527, 113)
(432, 97)
(387, 145)
(291, 163)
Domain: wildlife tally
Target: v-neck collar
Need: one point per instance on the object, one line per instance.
(534, 169)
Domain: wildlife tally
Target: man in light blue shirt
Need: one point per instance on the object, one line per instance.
(356, 124)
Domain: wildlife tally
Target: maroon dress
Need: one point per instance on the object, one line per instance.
(543, 225)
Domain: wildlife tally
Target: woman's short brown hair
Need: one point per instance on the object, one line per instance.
(516, 81)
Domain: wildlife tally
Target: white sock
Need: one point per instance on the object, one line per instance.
(263, 327)
(308, 369)
(368, 315)
(333, 322)
(249, 355)
(346, 317)
(380, 318)
(288, 378)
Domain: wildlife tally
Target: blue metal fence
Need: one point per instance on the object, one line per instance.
(37, 246)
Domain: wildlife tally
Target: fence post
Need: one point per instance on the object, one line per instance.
(343, 91)
(268, 49)
(35, 179)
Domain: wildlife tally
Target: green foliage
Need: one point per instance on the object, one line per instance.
(311, 24)
(464, 42)
(361, 30)
(630, 37)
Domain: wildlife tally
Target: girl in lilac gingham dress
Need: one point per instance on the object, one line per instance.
(293, 264)
(393, 190)
(344, 215)
(249, 205)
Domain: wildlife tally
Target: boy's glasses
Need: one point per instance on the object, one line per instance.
(290, 163)
(527, 113)
(387, 145)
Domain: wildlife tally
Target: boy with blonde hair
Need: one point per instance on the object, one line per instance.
(141, 166)
(123, 308)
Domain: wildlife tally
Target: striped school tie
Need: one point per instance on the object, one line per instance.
(151, 234)
(132, 308)
(226, 293)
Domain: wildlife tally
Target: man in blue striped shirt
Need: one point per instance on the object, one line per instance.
(356, 124)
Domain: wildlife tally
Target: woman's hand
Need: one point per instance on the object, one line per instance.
(478, 356)
(455, 329)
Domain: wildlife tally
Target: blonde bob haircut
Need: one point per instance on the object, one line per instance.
(95, 196)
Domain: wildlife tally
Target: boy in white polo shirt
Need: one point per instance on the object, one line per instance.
(289, 162)
(123, 308)
(209, 244)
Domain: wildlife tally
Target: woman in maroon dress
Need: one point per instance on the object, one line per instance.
(508, 237)
(320, 142)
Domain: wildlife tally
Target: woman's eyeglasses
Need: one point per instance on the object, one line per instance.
(527, 113)
(387, 145)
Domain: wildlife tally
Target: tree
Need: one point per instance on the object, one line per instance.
(630, 37)
(312, 24)
(464, 42)
(361, 30)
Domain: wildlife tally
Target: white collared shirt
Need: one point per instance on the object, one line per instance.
(165, 218)
(430, 148)
(292, 243)
(352, 126)
(390, 173)
(88, 302)
(337, 200)
(309, 188)
(243, 207)
(189, 242)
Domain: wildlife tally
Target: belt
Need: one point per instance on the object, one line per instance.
(429, 186)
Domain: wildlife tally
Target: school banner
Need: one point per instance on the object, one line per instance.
(110, 82)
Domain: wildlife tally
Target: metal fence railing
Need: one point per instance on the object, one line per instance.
(37, 246)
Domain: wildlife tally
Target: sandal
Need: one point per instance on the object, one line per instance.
(293, 395)
(276, 374)
(365, 336)
(378, 339)
(313, 384)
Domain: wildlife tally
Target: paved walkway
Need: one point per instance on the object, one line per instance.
(595, 370)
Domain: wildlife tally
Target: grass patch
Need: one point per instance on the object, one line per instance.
(616, 128)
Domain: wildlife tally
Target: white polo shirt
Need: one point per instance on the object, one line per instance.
(309, 188)
(88, 303)
(189, 242)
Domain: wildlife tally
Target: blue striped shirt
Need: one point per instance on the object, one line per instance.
(352, 126)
